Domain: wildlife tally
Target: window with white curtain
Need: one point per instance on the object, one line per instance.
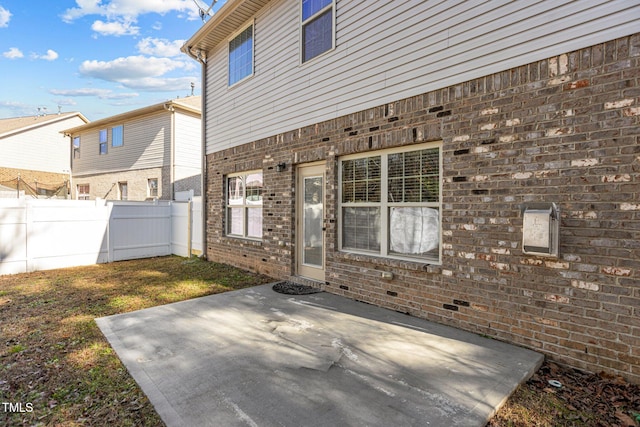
(390, 203)
(244, 205)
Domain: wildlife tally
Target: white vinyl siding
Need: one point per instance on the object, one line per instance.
(390, 50)
(41, 148)
(187, 152)
(147, 146)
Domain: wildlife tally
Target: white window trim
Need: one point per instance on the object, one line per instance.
(124, 184)
(250, 23)
(384, 204)
(106, 142)
(74, 148)
(149, 187)
(112, 128)
(83, 196)
(301, 24)
(244, 207)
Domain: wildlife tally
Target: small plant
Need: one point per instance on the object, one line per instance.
(17, 349)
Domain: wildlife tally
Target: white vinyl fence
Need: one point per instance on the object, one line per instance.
(47, 234)
(186, 233)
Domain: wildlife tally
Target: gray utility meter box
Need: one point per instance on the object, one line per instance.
(541, 229)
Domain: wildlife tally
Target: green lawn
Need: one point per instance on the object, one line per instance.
(56, 367)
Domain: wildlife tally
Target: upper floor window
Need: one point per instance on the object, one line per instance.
(241, 56)
(244, 205)
(117, 136)
(76, 147)
(390, 203)
(103, 141)
(317, 27)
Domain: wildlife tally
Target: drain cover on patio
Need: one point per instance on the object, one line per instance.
(291, 288)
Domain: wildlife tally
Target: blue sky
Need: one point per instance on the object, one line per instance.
(98, 57)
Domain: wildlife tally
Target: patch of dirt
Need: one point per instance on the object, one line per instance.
(291, 288)
(582, 399)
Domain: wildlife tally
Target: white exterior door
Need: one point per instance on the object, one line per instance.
(310, 222)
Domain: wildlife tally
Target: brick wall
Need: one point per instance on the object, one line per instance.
(105, 185)
(563, 130)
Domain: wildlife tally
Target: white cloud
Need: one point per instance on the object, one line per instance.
(17, 109)
(99, 93)
(65, 102)
(131, 67)
(5, 17)
(51, 55)
(129, 9)
(115, 28)
(160, 84)
(160, 47)
(13, 53)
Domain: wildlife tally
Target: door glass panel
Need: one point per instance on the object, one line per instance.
(313, 221)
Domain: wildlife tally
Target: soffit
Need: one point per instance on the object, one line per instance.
(223, 23)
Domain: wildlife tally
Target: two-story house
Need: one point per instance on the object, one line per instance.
(151, 152)
(34, 156)
(475, 163)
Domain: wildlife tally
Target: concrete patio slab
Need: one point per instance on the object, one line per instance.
(256, 357)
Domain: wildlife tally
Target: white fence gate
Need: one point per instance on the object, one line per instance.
(47, 234)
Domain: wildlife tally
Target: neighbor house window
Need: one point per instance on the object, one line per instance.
(244, 205)
(390, 203)
(152, 186)
(103, 141)
(117, 136)
(82, 192)
(76, 147)
(317, 27)
(123, 189)
(241, 56)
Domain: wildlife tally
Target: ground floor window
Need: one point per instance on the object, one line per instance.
(82, 191)
(390, 203)
(123, 190)
(244, 205)
(152, 187)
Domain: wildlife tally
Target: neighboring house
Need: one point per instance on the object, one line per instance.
(473, 163)
(151, 152)
(34, 156)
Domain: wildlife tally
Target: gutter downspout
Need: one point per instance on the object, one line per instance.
(172, 143)
(201, 58)
(71, 192)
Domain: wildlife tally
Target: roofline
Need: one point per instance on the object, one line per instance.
(173, 103)
(241, 10)
(55, 118)
(210, 25)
